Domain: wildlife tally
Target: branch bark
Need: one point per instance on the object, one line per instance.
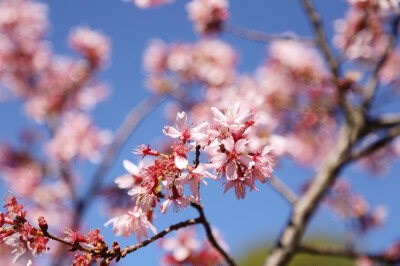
(283, 189)
(262, 37)
(210, 235)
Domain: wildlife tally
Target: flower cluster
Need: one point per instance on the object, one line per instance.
(93, 241)
(208, 15)
(185, 249)
(77, 137)
(350, 205)
(210, 62)
(26, 240)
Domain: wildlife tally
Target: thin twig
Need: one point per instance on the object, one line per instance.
(283, 189)
(262, 37)
(337, 252)
(175, 227)
(391, 134)
(210, 235)
(131, 121)
(372, 83)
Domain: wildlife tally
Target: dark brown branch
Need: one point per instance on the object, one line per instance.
(384, 121)
(174, 227)
(337, 252)
(391, 134)
(263, 37)
(283, 189)
(372, 83)
(210, 235)
(111, 254)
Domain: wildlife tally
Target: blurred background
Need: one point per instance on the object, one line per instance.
(248, 226)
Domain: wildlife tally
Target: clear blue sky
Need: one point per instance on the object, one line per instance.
(260, 217)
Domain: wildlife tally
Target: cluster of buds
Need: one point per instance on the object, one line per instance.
(93, 241)
(15, 231)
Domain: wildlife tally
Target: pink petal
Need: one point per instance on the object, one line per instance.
(181, 162)
(181, 119)
(231, 173)
(171, 132)
(125, 181)
(218, 115)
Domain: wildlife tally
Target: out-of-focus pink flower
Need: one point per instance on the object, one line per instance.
(91, 44)
(185, 249)
(134, 221)
(77, 137)
(155, 56)
(214, 62)
(208, 15)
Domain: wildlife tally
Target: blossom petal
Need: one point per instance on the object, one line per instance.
(171, 132)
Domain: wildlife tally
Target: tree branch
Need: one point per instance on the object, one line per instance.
(130, 123)
(263, 37)
(337, 252)
(392, 133)
(283, 189)
(305, 206)
(210, 235)
(332, 62)
(372, 84)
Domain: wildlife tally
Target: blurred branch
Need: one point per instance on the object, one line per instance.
(337, 252)
(263, 37)
(210, 235)
(306, 205)
(372, 84)
(130, 123)
(283, 189)
(384, 121)
(391, 134)
(316, 22)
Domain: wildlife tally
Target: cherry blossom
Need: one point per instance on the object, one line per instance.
(133, 221)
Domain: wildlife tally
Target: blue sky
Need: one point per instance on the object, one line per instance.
(260, 217)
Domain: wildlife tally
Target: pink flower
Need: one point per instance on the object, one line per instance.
(155, 56)
(134, 221)
(195, 177)
(240, 184)
(184, 132)
(20, 248)
(232, 158)
(232, 119)
(77, 137)
(208, 15)
(91, 44)
(180, 151)
(178, 202)
(183, 245)
(130, 179)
